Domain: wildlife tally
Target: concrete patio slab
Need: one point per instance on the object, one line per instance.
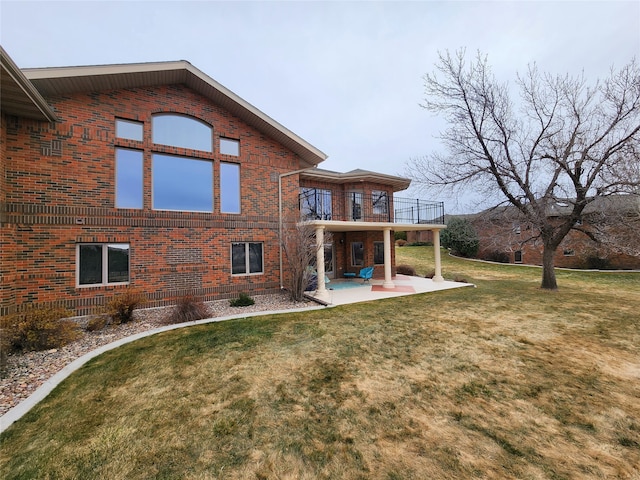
(404, 285)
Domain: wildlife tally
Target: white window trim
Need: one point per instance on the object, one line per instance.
(105, 264)
(247, 260)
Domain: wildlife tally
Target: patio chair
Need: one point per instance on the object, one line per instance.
(366, 274)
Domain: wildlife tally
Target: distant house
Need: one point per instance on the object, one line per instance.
(606, 236)
(154, 176)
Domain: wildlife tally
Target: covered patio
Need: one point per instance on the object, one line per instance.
(389, 283)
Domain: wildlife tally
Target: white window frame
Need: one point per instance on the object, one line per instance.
(247, 259)
(105, 264)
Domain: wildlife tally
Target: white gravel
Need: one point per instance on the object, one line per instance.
(27, 371)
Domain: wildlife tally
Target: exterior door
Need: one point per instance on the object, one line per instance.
(355, 206)
(329, 260)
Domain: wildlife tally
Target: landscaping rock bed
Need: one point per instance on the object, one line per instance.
(25, 372)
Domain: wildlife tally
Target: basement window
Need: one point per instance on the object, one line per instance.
(568, 252)
(102, 264)
(246, 258)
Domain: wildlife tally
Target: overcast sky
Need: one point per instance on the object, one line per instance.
(345, 76)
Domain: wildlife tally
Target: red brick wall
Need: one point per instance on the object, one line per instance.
(60, 191)
(342, 240)
(505, 241)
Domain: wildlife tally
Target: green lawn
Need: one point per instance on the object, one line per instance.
(500, 381)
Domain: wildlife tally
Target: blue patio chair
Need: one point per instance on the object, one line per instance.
(366, 274)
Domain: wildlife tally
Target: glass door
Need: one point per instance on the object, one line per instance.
(355, 206)
(328, 260)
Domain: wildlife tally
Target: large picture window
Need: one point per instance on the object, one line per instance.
(181, 183)
(129, 178)
(229, 188)
(246, 258)
(315, 204)
(181, 131)
(102, 264)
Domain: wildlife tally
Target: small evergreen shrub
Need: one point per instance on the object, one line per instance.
(121, 307)
(406, 270)
(188, 309)
(430, 274)
(401, 243)
(243, 300)
(38, 329)
(460, 279)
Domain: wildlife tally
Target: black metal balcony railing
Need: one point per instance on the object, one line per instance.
(317, 204)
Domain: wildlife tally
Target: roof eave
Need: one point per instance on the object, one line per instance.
(41, 109)
(59, 80)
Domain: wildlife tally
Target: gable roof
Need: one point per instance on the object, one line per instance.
(54, 81)
(19, 96)
(358, 175)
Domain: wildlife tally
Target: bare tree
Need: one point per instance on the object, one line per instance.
(300, 252)
(564, 140)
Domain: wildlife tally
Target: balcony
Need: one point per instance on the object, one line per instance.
(318, 204)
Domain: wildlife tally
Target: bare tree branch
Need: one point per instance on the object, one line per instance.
(570, 141)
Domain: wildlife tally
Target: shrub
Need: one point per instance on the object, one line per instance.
(597, 263)
(38, 329)
(401, 243)
(460, 237)
(187, 309)
(496, 256)
(406, 270)
(97, 322)
(121, 307)
(460, 279)
(430, 274)
(243, 300)
(400, 236)
(420, 244)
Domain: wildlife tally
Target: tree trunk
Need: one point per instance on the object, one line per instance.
(548, 273)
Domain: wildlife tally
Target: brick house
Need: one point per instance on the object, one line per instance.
(607, 235)
(156, 177)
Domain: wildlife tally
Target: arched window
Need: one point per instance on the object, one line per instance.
(181, 131)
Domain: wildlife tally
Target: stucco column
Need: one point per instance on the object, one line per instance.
(388, 283)
(321, 289)
(436, 253)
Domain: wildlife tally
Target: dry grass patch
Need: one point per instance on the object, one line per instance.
(502, 381)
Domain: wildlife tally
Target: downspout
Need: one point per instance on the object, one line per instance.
(280, 177)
